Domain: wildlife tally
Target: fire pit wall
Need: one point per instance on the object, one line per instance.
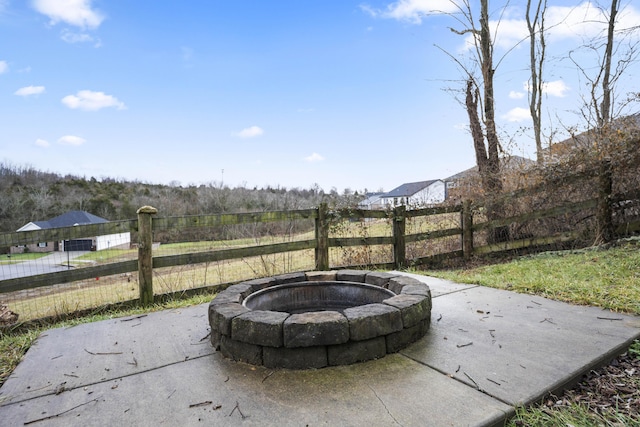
(320, 338)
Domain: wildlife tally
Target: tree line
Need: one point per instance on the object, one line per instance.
(29, 195)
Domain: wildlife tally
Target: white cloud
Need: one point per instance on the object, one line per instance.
(412, 11)
(315, 157)
(516, 95)
(71, 37)
(73, 12)
(4, 67)
(42, 143)
(556, 88)
(71, 140)
(92, 101)
(518, 115)
(586, 20)
(509, 32)
(250, 132)
(29, 90)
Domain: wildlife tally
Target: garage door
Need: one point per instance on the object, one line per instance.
(78, 245)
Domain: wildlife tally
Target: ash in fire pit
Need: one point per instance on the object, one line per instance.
(319, 319)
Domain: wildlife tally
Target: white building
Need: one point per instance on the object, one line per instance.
(416, 194)
(70, 219)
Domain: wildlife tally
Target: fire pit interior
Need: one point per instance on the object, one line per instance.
(304, 297)
(319, 319)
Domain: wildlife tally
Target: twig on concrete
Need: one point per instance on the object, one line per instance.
(464, 345)
(205, 403)
(60, 413)
(102, 354)
(495, 382)
(204, 338)
(472, 380)
(268, 375)
(546, 319)
(239, 411)
(134, 318)
(609, 318)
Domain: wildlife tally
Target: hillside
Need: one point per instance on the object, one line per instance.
(32, 195)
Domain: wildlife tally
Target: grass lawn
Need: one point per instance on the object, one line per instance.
(607, 278)
(16, 258)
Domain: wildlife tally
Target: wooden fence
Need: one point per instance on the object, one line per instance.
(601, 209)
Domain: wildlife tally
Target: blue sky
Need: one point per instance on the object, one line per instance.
(338, 93)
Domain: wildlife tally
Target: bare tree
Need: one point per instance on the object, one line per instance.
(485, 138)
(616, 51)
(537, 50)
(603, 113)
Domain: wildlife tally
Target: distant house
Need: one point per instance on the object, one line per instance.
(70, 219)
(415, 194)
(372, 201)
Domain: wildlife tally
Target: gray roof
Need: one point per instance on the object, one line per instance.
(70, 219)
(409, 189)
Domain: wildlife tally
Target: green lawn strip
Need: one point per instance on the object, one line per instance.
(604, 278)
(17, 258)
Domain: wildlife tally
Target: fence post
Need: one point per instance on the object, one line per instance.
(604, 220)
(145, 247)
(399, 227)
(322, 239)
(467, 229)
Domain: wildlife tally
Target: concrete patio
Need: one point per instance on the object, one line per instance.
(487, 351)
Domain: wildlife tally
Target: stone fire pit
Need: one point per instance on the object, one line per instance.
(319, 319)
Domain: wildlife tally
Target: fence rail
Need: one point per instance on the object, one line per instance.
(409, 240)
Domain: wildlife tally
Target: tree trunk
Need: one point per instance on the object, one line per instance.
(605, 106)
(536, 60)
(491, 175)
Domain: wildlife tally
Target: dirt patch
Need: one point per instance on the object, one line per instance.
(612, 389)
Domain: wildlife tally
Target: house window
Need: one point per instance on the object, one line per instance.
(42, 244)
